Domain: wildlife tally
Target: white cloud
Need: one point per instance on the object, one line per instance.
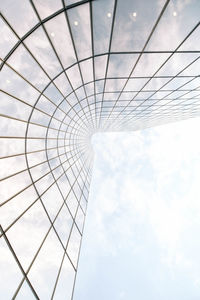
(144, 199)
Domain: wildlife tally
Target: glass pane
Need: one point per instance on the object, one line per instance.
(149, 64)
(23, 62)
(12, 209)
(39, 45)
(28, 233)
(155, 83)
(63, 84)
(47, 7)
(176, 83)
(24, 12)
(100, 66)
(135, 84)
(72, 203)
(74, 76)
(65, 281)
(179, 18)
(39, 118)
(102, 20)
(45, 105)
(113, 85)
(12, 165)
(8, 39)
(81, 30)
(193, 69)
(45, 268)
(12, 127)
(121, 65)
(69, 2)
(10, 273)
(16, 86)
(80, 219)
(7, 148)
(177, 63)
(63, 186)
(63, 225)
(192, 42)
(87, 71)
(12, 107)
(36, 158)
(25, 292)
(53, 94)
(58, 31)
(43, 184)
(73, 246)
(18, 183)
(133, 24)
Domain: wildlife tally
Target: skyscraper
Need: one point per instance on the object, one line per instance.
(70, 69)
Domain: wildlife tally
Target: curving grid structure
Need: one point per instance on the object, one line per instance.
(70, 69)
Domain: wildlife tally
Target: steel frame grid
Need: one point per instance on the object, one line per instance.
(81, 124)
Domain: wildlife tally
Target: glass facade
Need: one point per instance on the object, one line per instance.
(70, 69)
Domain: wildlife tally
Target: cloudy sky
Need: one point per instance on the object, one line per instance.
(141, 237)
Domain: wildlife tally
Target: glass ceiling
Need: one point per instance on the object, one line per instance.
(70, 69)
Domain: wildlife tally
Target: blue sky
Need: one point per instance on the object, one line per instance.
(141, 238)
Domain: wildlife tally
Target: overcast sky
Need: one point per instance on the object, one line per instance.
(141, 238)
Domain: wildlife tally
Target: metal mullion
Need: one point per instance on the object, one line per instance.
(93, 64)
(55, 181)
(4, 178)
(36, 108)
(75, 52)
(74, 223)
(38, 25)
(24, 121)
(29, 138)
(79, 205)
(167, 112)
(53, 48)
(51, 80)
(79, 171)
(177, 90)
(140, 55)
(41, 93)
(44, 113)
(20, 40)
(78, 200)
(35, 256)
(61, 163)
(18, 262)
(29, 152)
(178, 104)
(32, 123)
(132, 77)
(194, 77)
(51, 226)
(33, 182)
(175, 77)
(83, 181)
(175, 51)
(73, 172)
(177, 112)
(74, 282)
(108, 58)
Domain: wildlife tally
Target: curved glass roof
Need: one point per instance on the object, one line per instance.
(70, 69)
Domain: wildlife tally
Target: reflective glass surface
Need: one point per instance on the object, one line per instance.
(70, 69)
